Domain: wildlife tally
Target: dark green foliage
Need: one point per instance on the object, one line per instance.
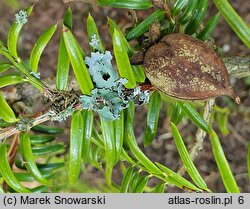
(154, 108)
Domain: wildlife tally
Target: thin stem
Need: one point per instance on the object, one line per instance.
(13, 149)
(36, 119)
(197, 146)
(11, 130)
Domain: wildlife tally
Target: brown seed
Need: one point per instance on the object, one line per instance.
(187, 69)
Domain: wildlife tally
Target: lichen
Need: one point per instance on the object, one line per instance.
(62, 116)
(110, 96)
(87, 102)
(24, 124)
(144, 97)
(94, 42)
(21, 17)
(101, 70)
(105, 101)
(36, 75)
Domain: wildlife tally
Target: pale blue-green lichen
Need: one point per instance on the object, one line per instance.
(94, 42)
(24, 124)
(106, 113)
(144, 97)
(21, 17)
(105, 101)
(87, 102)
(36, 75)
(110, 96)
(62, 116)
(101, 70)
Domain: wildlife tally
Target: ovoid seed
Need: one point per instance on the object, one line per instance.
(187, 68)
